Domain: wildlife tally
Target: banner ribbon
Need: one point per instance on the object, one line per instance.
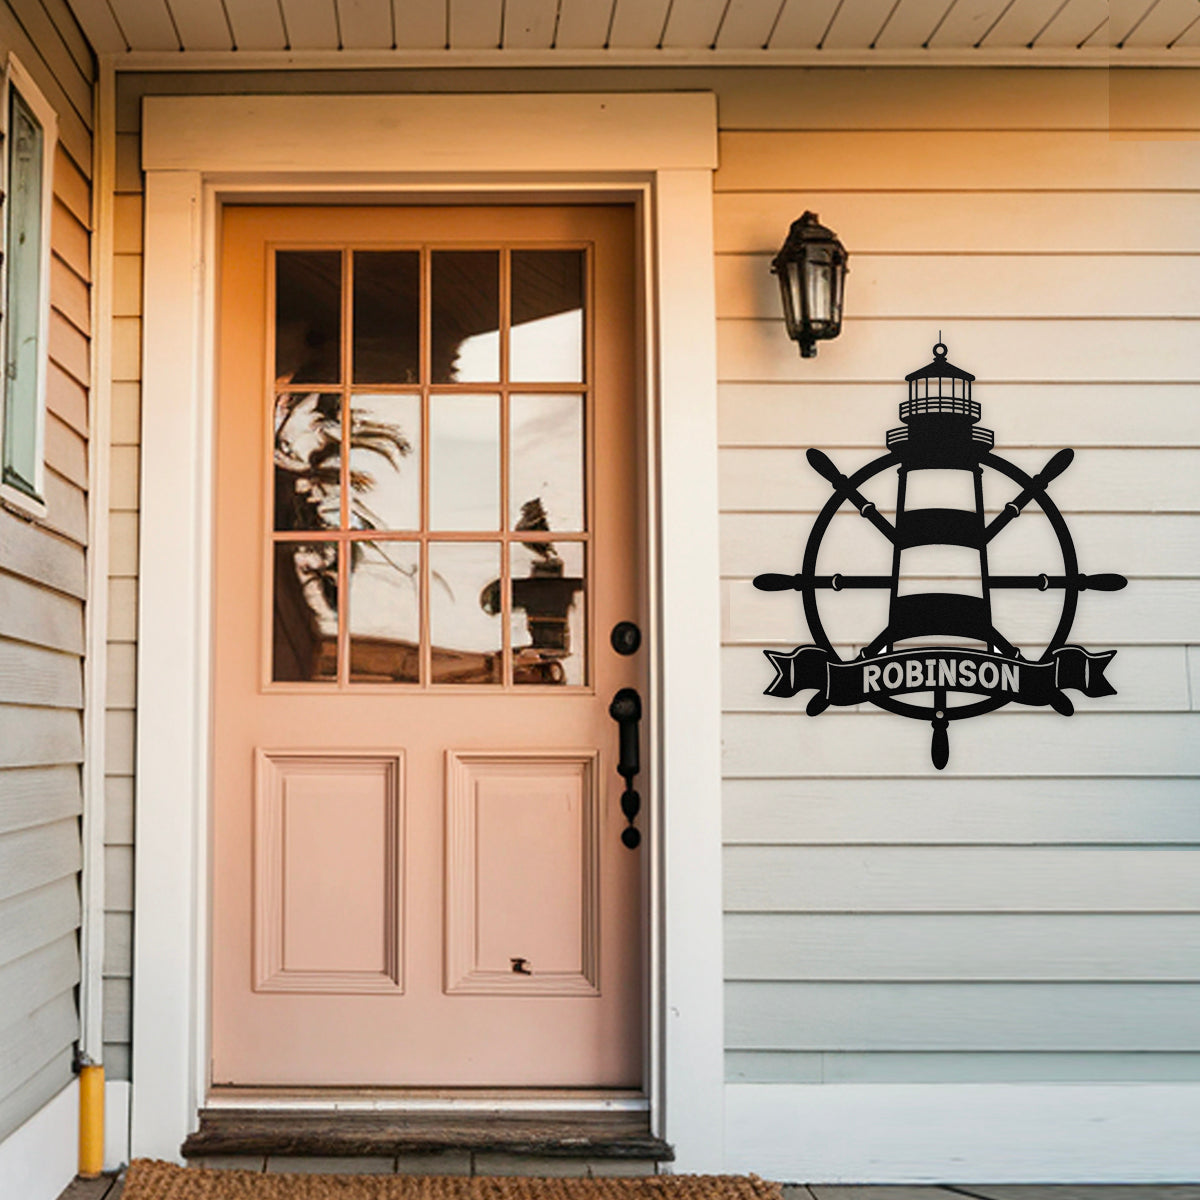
(932, 667)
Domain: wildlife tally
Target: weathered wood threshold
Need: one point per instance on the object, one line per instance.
(552, 1134)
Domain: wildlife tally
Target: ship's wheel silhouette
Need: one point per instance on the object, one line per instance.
(940, 433)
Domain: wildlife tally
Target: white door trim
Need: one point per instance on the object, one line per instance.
(656, 149)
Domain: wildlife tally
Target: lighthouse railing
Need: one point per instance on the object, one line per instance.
(957, 406)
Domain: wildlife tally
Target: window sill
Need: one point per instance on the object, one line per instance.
(31, 508)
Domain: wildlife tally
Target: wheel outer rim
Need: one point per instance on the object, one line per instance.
(1070, 591)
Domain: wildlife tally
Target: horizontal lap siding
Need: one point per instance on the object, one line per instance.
(1032, 913)
(125, 465)
(42, 598)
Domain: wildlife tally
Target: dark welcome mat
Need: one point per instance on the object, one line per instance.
(149, 1180)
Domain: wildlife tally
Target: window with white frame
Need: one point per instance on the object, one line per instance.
(30, 129)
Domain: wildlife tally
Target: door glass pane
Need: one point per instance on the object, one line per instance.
(385, 462)
(464, 612)
(466, 316)
(307, 459)
(547, 316)
(305, 611)
(548, 627)
(387, 309)
(464, 462)
(545, 488)
(433, 459)
(385, 612)
(308, 316)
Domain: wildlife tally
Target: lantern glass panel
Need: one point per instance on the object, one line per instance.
(793, 298)
(820, 287)
(839, 287)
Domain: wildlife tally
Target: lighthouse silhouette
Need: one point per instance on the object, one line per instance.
(940, 527)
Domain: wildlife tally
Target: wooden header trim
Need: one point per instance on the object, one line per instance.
(512, 132)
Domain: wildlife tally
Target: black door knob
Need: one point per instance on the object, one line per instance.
(626, 637)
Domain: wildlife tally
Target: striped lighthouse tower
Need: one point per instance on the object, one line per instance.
(939, 565)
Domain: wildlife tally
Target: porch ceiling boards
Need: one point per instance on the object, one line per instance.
(554, 32)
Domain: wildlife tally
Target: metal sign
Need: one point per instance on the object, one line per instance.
(940, 644)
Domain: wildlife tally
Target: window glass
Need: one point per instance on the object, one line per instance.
(464, 612)
(23, 300)
(385, 461)
(429, 530)
(385, 612)
(547, 316)
(546, 463)
(305, 611)
(308, 460)
(387, 306)
(308, 316)
(466, 316)
(464, 462)
(547, 613)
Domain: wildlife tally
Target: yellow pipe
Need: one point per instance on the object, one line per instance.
(91, 1121)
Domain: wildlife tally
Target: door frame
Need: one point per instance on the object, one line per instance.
(656, 151)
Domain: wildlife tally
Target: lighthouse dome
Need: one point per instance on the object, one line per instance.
(940, 387)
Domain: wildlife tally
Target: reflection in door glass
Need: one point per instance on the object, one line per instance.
(304, 645)
(387, 310)
(466, 316)
(546, 462)
(385, 462)
(307, 460)
(406, 420)
(308, 316)
(547, 316)
(464, 612)
(548, 629)
(464, 462)
(385, 612)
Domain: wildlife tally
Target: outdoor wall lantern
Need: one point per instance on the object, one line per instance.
(812, 273)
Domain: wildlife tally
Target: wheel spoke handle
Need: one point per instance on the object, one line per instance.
(1037, 485)
(1108, 582)
(823, 465)
(1088, 583)
(797, 583)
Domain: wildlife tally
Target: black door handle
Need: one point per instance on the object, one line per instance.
(626, 710)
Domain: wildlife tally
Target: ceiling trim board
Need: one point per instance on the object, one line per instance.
(348, 60)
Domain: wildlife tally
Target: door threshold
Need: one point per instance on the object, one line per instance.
(427, 1100)
(543, 1132)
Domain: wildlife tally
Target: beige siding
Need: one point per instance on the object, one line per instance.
(1027, 916)
(884, 922)
(122, 646)
(42, 595)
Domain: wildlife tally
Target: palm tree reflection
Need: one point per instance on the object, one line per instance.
(308, 450)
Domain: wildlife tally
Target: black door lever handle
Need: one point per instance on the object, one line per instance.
(626, 710)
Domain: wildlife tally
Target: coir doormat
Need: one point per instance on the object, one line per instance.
(148, 1180)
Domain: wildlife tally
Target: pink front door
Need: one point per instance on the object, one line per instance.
(427, 525)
